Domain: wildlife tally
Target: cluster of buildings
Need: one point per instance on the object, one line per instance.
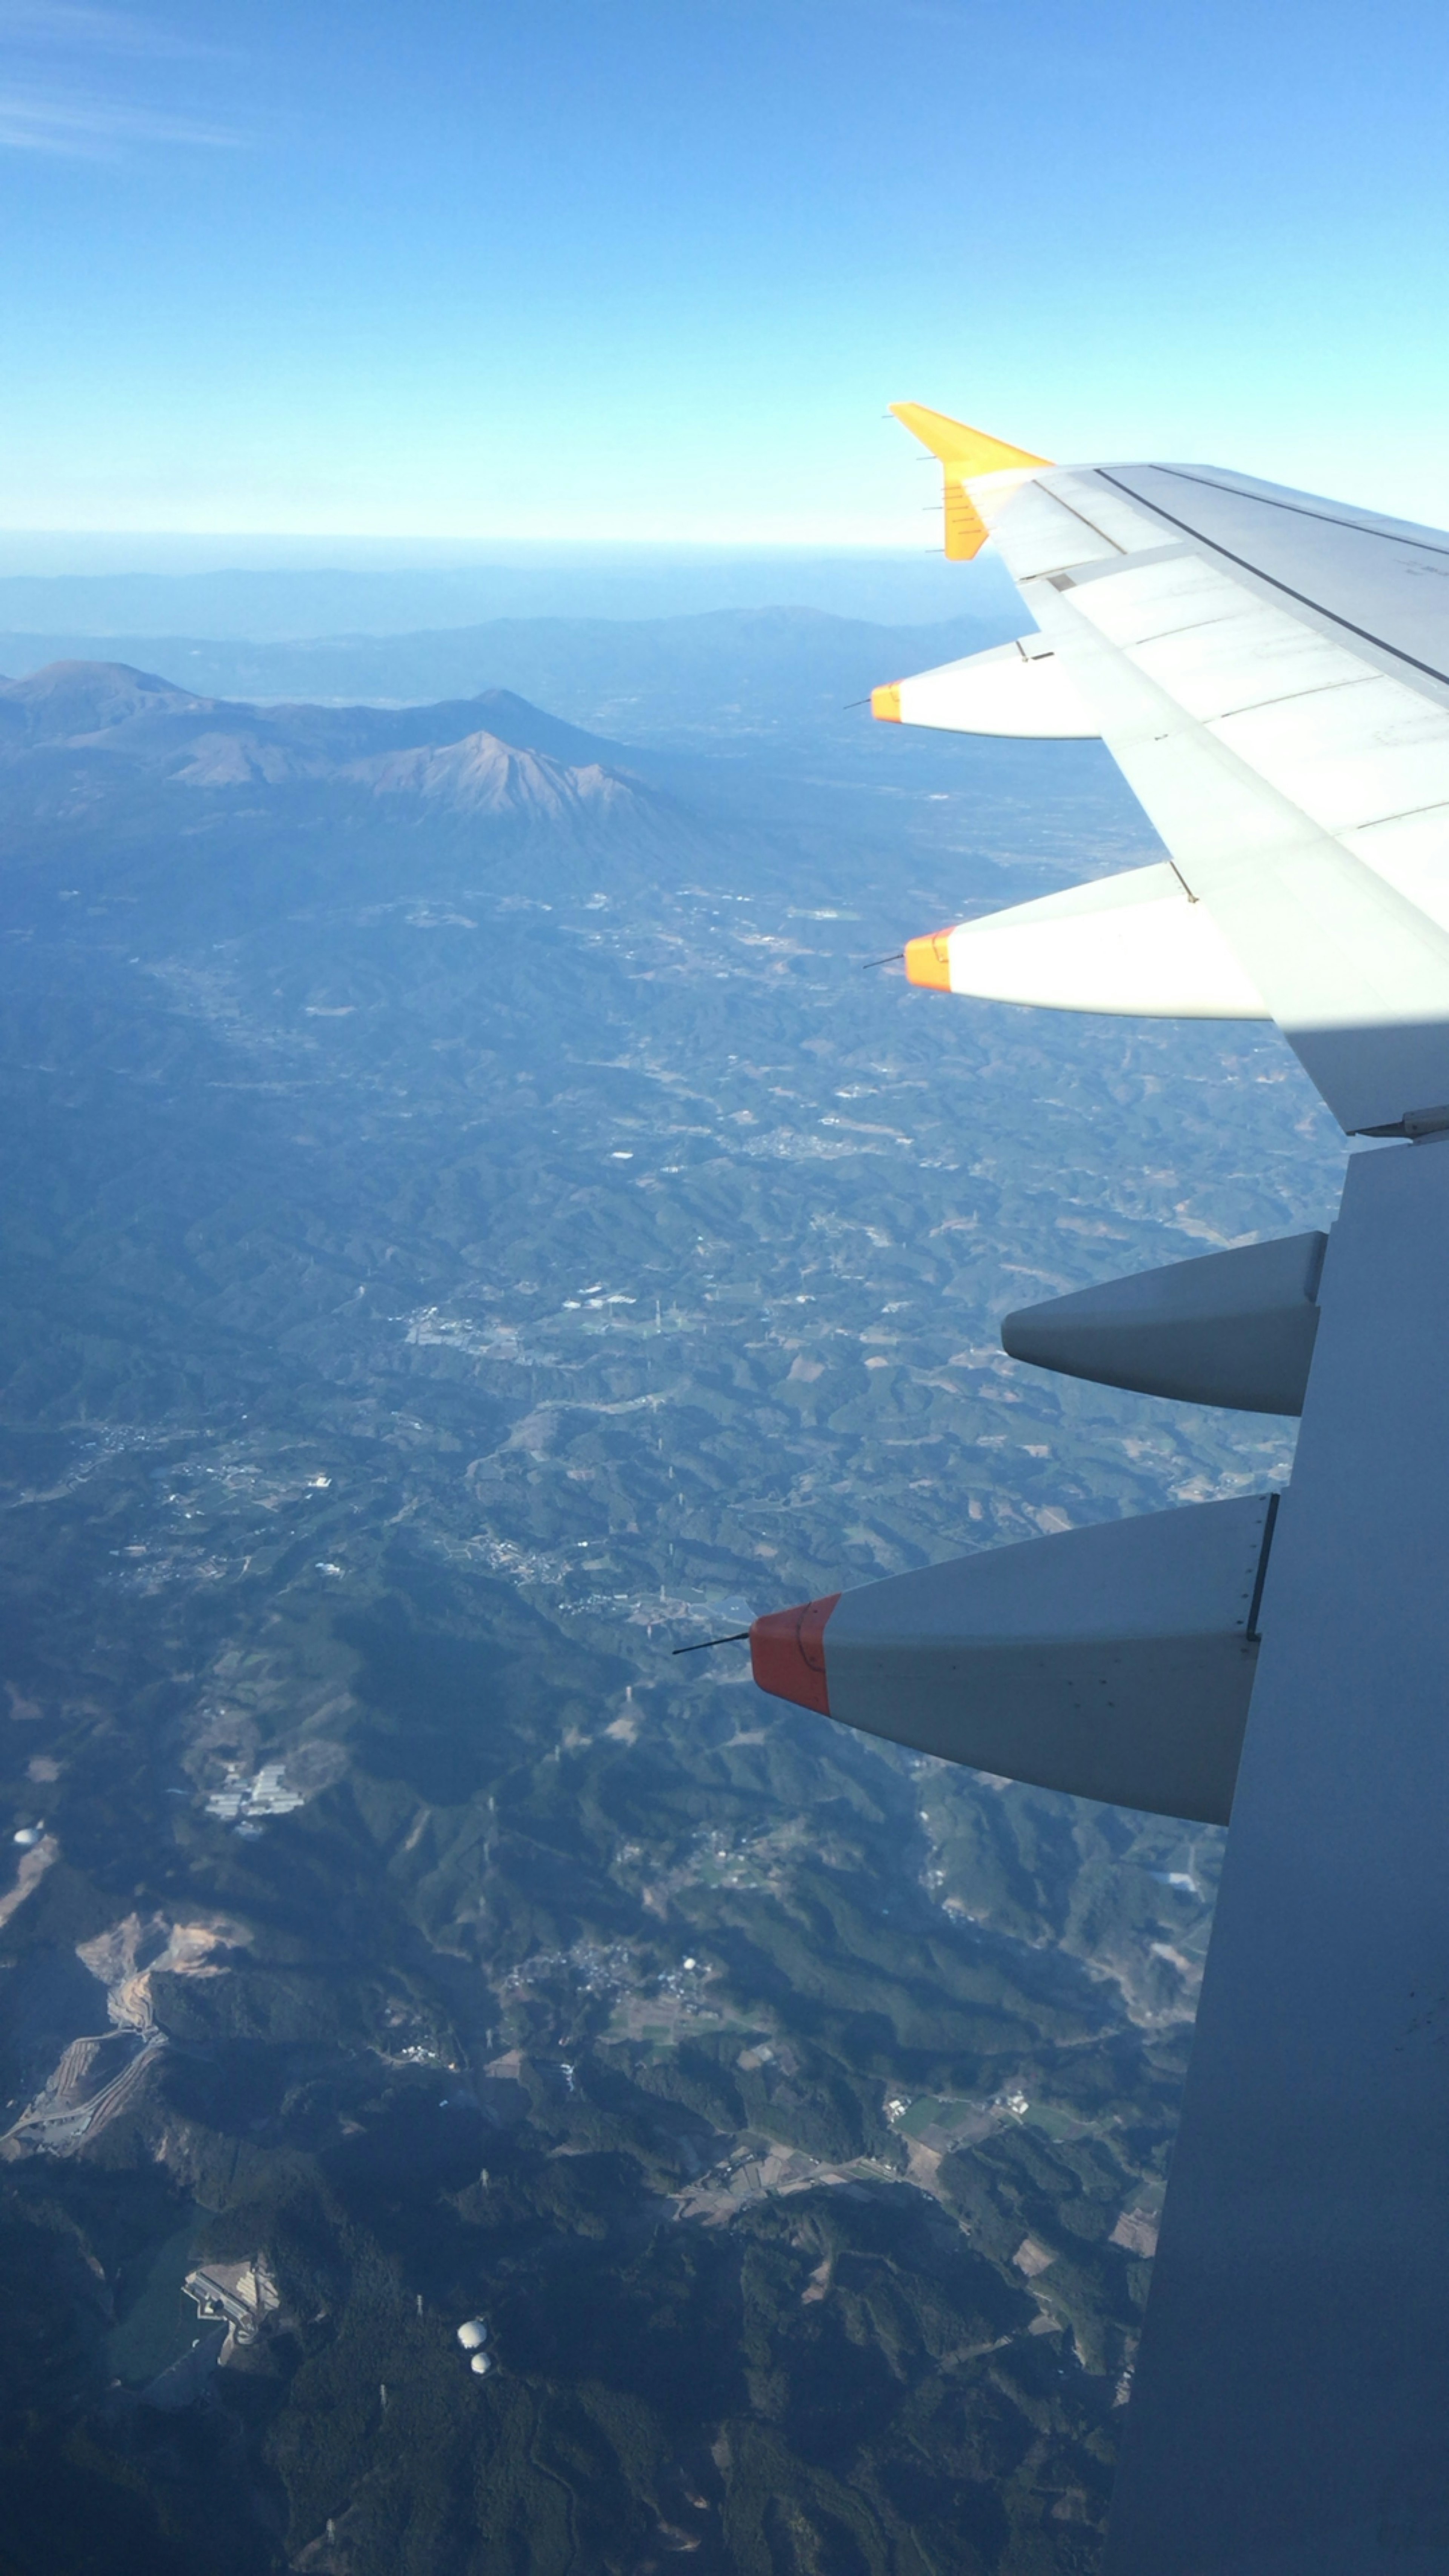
(241, 1802)
(240, 2295)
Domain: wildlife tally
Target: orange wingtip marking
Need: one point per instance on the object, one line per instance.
(885, 702)
(928, 961)
(787, 1653)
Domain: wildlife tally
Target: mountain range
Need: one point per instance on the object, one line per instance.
(492, 755)
(115, 587)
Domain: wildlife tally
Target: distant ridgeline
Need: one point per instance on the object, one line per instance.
(757, 673)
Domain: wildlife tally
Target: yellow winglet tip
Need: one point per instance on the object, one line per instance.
(966, 530)
(885, 702)
(962, 450)
(928, 961)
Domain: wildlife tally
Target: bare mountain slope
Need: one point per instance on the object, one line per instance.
(482, 775)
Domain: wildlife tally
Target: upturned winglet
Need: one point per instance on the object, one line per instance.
(964, 454)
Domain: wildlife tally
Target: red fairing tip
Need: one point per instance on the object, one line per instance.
(787, 1653)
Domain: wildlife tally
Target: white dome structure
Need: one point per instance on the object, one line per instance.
(28, 1837)
(473, 2334)
(481, 2363)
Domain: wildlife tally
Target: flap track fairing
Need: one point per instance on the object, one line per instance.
(1233, 1328)
(1115, 1663)
(1136, 945)
(1022, 689)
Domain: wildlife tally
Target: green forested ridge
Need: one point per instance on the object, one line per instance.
(455, 1255)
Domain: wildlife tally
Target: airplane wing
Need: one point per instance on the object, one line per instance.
(1271, 674)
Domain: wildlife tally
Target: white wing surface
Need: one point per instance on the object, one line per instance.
(1271, 673)
(1135, 945)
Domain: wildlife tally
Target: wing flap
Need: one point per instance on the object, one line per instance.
(1211, 644)
(1348, 743)
(1377, 580)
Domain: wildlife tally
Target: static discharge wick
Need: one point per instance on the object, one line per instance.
(737, 1637)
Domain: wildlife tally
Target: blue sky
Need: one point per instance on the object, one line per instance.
(654, 271)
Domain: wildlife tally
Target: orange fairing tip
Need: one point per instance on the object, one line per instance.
(885, 702)
(787, 1653)
(928, 961)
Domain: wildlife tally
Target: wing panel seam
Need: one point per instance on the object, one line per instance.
(1269, 1519)
(1289, 698)
(1244, 563)
(1268, 501)
(1081, 517)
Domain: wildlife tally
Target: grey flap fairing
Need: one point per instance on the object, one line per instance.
(1232, 1328)
(1115, 1663)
